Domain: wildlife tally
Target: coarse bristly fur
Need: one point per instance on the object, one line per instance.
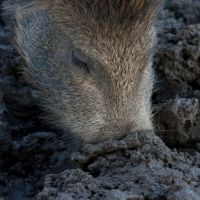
(105, 92)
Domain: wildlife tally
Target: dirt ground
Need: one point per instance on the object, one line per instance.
(36, 163)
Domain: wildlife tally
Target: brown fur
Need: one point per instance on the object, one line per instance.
(115, 38)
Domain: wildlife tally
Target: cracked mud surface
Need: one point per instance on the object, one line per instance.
(34, 159)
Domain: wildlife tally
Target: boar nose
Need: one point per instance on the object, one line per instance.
(127, 128)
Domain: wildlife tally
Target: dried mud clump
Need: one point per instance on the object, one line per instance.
(178, 121)
(35, 159)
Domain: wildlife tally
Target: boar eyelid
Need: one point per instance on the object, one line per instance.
(79, 60)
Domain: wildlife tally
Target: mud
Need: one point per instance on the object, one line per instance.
(35, 160)
(138, 167)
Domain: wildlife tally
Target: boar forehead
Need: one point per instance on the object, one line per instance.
(121, 12)
(108, 25)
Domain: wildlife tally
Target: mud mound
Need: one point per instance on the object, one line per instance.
(137, 167)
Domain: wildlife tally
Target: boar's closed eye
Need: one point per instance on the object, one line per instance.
(80, 61)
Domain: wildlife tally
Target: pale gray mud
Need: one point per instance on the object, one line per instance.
(35, 160)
